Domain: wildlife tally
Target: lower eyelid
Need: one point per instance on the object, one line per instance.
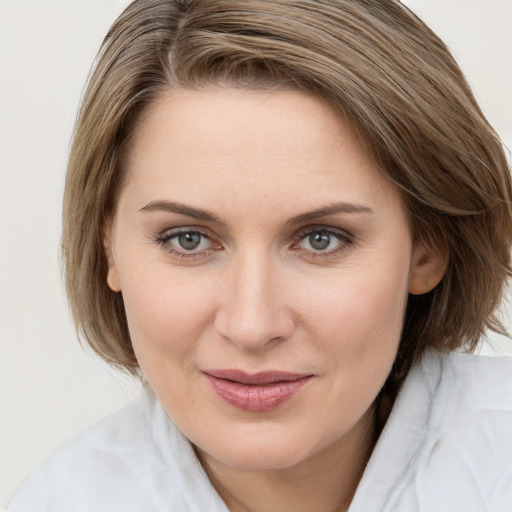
(335, 253)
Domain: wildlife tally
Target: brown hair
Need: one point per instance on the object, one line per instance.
(375, 62)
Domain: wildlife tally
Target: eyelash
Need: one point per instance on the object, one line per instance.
(345, 239)
(164, 239)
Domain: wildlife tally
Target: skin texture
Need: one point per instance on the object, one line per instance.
(257, 294)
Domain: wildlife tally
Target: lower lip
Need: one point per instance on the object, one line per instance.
(257, 397)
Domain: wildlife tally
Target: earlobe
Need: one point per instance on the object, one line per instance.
(428, 267)
(112, 275)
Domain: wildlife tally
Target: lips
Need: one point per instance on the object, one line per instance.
(257, 392)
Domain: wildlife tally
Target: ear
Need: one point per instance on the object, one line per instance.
(428, 266)
(112, 275)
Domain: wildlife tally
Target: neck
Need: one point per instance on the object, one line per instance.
(325, 482)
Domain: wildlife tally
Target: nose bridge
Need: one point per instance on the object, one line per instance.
(254, 313)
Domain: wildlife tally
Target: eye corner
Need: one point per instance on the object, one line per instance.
(187, 242)
(336, 242)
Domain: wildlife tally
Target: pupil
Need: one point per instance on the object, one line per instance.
(319, 241)
(189, 241)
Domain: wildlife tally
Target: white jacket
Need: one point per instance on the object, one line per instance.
(447, 447)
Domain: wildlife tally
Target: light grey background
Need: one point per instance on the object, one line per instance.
(50, 388)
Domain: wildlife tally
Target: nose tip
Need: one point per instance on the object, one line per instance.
(254, 333)
(254, 315)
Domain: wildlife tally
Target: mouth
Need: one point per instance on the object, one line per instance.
(258, 392)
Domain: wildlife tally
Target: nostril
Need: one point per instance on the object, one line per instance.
(255, 335)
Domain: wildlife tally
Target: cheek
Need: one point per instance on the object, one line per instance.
(378, 310)
(358, 324)
(167, 315)
(357, 327)
(365, 307)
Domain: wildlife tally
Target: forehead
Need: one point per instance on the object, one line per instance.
(235, 144)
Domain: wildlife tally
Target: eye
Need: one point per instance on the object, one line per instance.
(323, 241)
(319, 240)
(187, 243)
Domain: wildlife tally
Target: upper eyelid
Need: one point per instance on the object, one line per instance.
(298, 233)
(306, 230)
(165, 236)
(169, 233)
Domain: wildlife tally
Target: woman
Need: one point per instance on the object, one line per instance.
(286, 217)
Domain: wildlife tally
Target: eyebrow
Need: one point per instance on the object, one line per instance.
(329, 210)
(168, 206)
(196, 213)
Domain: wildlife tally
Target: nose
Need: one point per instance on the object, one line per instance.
(254, 314)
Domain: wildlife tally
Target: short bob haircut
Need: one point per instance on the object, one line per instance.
(377, 64)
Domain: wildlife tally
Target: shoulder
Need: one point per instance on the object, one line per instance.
(467, 454)
(467, 385)
(447, 444)
(107, 468)
(473, 410)
(474, 369)
(473, 399)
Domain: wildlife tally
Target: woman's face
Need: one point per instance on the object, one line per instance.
(264, 263)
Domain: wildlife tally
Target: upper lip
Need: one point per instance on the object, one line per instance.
(267, 377)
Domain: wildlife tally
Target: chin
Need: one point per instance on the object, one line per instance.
(263, 448)
(256, 458)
